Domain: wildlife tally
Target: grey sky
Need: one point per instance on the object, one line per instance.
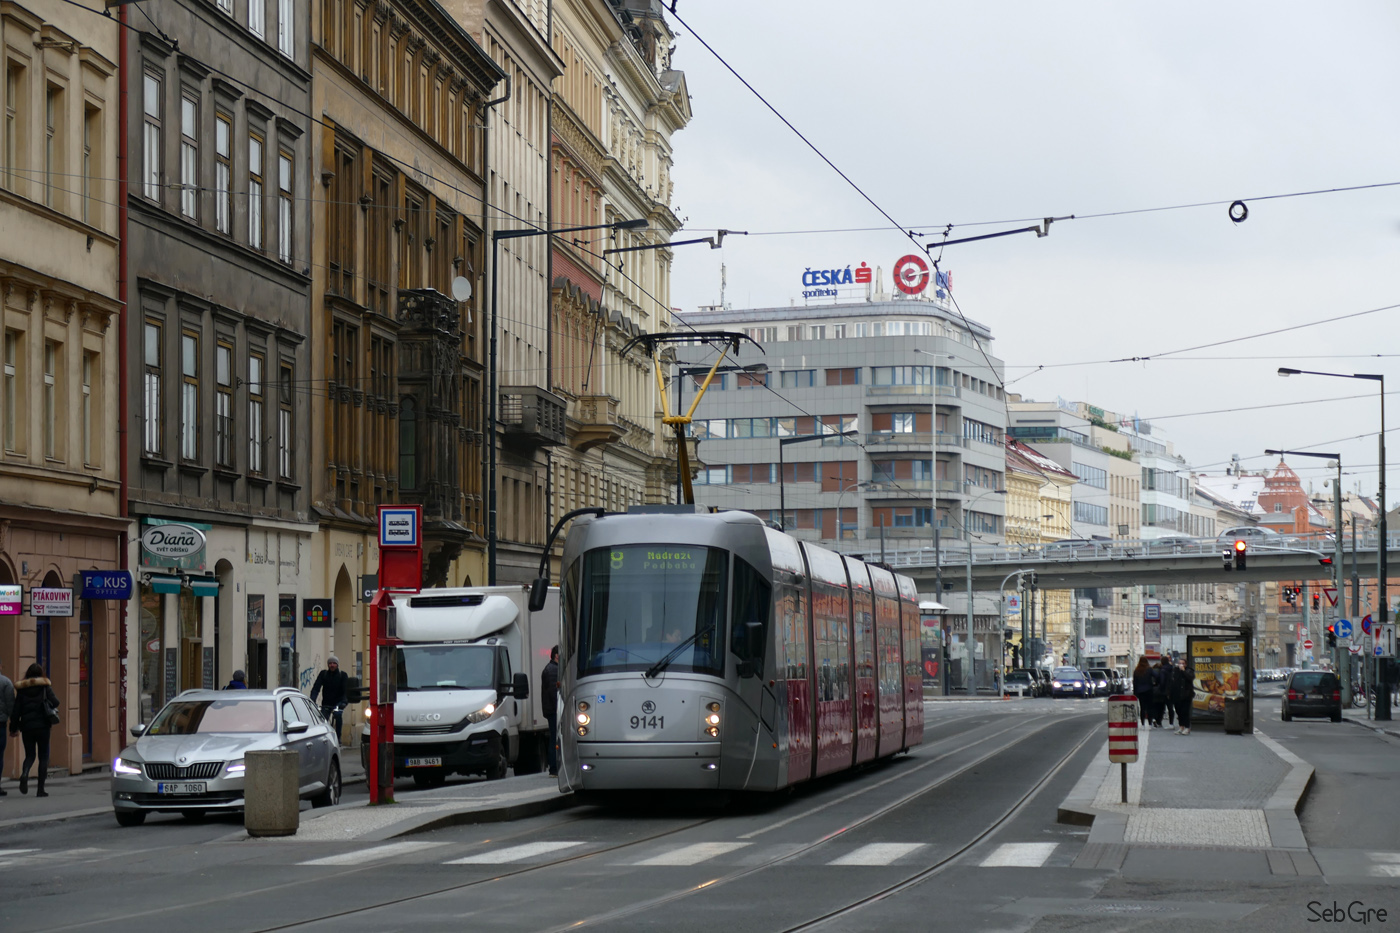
(975, 112)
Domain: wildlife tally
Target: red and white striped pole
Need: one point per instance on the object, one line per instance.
(1123, 733)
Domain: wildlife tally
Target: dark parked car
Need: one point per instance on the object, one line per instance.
(1041, 680)
(1070, 682)
(1020, 683)
(1100, 682)
(1113, 682)
(1312, 693)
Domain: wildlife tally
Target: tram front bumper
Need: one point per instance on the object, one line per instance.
(647, 765)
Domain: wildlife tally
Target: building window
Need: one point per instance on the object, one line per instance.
(151, 401)
(284, 207)
(257, 16)
(90, 373)
(223, 405)
(151, 138)
(189, 157)
(408, 444)
(902, 375)
(902, 422)
(223, 173)
(226, 6)
(189, 396)
(51, 351)
(286, 10)
(843, 377)
(799, 378)
(92, 175)
(746, 380)
(11, 387)
(1093, 476)
(341, 207)
(14, 124)
(255, 191)
(53, 143)
(284, 422)
(255, 414)
(1090, 514)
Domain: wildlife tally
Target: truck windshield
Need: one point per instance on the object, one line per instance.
(637, 603)
(446, 667)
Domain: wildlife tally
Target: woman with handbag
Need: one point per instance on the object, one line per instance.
(35, 713)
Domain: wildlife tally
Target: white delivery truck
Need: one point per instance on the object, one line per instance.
(468, 682)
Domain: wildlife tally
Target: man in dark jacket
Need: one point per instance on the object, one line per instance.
(239, 681)
(34, 697)
(1183, 692)
(1161, 686)
(7, 708)
(549, 700)
(336, 686)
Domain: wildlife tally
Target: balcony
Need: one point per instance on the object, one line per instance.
(532, 417)
(950, 441)
(886, 440)
(898, 390)
(900, 489)
(594, 422)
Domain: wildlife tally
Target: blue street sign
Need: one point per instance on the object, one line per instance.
(1366, 624)
(1343, 628)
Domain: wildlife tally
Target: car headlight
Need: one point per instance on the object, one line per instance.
(1055, 683)
(236, 768)
(122, 766)
(483, 713)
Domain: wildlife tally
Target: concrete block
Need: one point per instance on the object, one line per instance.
(271, 805)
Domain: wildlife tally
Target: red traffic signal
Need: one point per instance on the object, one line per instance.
(1240, 546)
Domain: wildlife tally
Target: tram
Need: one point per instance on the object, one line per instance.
(707, 651)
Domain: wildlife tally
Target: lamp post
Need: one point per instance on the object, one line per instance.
(971, 636)
(840, 527)
(702, 370)
(1383, 694)
(782, 485)
(492, 402)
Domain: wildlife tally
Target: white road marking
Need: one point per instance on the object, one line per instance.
(1019, 855)
(373, 853)
(692, 854)
(1384, 864)
(6, 853)
(878, 853)
(513, 853)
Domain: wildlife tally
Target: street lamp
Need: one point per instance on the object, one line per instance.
(971, 635)
(1383, 695)
(701, 370)
(840, 527)
(782, 484)
(492, 402)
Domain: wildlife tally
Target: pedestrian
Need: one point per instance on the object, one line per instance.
(35, 712)
(333, 685)
(1161, 681)
(7, 708)
(1183, 692)
(239, 681)
(549, 699)
(1142, 689)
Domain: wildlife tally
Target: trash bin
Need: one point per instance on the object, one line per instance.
(1236, 715)
(271, 805)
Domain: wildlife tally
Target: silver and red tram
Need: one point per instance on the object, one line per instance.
(709, 651)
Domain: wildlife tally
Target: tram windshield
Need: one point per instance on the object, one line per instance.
(640, 603)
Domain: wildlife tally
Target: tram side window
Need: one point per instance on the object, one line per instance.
(753, 601)
(569, 598)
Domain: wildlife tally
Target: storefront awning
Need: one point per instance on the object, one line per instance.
(204, 586)
(164, 583)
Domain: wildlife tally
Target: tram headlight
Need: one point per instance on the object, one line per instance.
(712, 731)
(582, 730)
(583, 719)
(712, 719)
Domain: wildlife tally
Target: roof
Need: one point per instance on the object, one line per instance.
(1237, 492)
(1021, 452)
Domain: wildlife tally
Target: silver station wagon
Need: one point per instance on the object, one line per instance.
(189, 760)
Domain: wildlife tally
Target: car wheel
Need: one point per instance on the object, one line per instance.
(1337, 716)
(194, 816)
(1286, 716)
(434, 778)
(331, 795)
(130, 817)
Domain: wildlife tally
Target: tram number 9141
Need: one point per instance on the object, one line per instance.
(648, 722)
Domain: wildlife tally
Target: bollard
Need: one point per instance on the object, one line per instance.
(1236, 712)
(271, 803)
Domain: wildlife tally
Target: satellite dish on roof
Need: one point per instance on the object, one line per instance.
(461, 288)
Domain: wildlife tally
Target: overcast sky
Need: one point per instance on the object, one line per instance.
(975, 112)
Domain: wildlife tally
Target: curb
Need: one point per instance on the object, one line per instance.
(1366, 724)
(518, 811)
(53, 817)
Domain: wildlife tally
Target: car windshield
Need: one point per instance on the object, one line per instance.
(191, 717)
(1070, 672)
(447, 667)
(1307, 680)
(1019, 676)
(640, 603)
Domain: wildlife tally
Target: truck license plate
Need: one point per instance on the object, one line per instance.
(423, 763)
(181, 788)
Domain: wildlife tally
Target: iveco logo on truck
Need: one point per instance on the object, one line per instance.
(424, 717)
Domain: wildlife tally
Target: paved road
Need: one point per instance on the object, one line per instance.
(960, 834)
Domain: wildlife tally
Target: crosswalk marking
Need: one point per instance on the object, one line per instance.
(513, 853)
(692, 854)
(8, 852)
(373, 853)
(1019, 855)
(877, 853)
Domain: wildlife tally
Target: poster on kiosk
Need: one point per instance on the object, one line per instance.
(1223, 671)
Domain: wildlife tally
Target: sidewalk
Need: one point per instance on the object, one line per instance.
(1358, 717)
(1204, 790)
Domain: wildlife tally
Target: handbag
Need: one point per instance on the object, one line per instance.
(51, 714)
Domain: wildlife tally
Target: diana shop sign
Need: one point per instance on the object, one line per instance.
(173, 544)
(813, 280)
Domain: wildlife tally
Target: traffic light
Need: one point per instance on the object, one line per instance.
(1331, 636)
(1035, 579)
(1228, 556)
(1317, 599)
(1241, 551)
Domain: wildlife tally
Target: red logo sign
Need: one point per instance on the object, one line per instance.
(911, 274)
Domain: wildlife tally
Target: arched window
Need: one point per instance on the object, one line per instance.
(408, 444)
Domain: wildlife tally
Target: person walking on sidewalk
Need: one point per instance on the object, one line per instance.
(239, 681)
(549, 699)
(35, 712)
(1161, 686)
(336, 684)
(1142, 689)
(1183, 691)
(7, 708)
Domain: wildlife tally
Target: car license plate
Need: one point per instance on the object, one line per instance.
(181, 788)
(423, 763)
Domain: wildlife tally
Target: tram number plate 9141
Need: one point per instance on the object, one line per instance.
(648, 722)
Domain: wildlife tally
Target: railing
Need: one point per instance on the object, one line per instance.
(890, 439)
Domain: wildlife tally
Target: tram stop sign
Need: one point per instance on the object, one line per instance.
(1123, 728)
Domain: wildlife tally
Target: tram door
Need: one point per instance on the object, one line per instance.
(913, 663)
(751, 633)
(863, 651)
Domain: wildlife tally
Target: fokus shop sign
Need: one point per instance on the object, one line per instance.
(173, 544)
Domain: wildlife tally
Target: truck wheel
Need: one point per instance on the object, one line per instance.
(497, 770)
(527, 761)
(435, 778)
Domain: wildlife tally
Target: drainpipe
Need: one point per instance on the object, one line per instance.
(123, 165)
(489, 461)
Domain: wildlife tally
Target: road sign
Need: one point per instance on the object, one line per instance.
(1331, 593)
(1083, 643)
(1123, 728)
(1307, 645)
(1152, 612)
(1013, 604)
(1343, 628)
(1355, 649)
(1366, 624)
(1385, 644)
